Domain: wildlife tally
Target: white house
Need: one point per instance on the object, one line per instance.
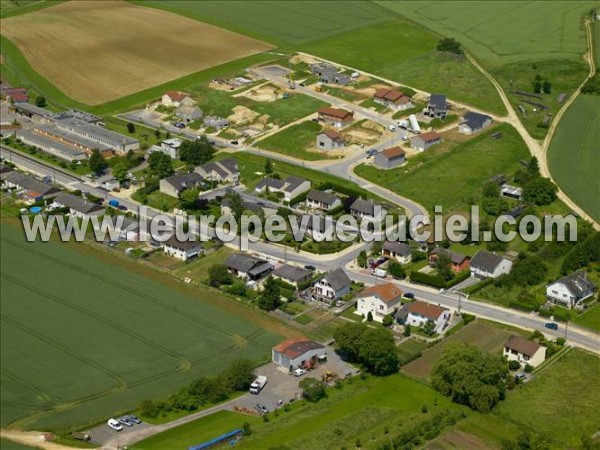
(293, 353)
(223, 171)
(571, 290)
(489, 265)
(418, 313)
(175, 99)
(291, 187)
(78, 206)
(183, 250)
(366, 209)
(322, 200)
(380, 300)
(524, 351)
(168, 147)
(331, 287)
(399, 251)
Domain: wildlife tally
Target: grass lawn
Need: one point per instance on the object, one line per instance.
(197, 270)
(197, 432)
(304, 319)
(590, 318)
(162, 201)
(413, 59)
(573, 156)
(561, 402)
(453, 179)
(5, 444)
(294, 141)
(285, 110)
(411, 348)
(173, 333)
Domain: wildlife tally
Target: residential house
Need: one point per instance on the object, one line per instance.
(331, 287)
(183, 250)
(223, 171)
(248, 267)
(418, 313)
(437, 106)
(571, 290)
(189, 113)
(15, 95)
(506, 190)
(329, 74)
(473, 122)
(215, 122)
(423, 141)
(176, 184)
(291, 187)
(336, 117)
(390, 158)
(175, 99)
(322, 200)
(31, 188)
(111, 185)
(79, 207)
(294, 353)
(293, 275)
(330, 140)
(524, 351)
(380, 300)
(399, 251)
(366, 209)
(168, 147)
(393, 99)
(458, 261)
(269, 184)
(489, 265)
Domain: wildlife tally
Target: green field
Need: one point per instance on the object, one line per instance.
(503, 32)
(574, 156)
(561, 402)
(281, 22)
(94, 337)
(294, 141)
(590, 318)
(413, 60)
(5, 444)
(454, 178)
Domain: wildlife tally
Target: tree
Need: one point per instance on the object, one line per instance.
(157, 133)
(40, 101)
(537, 86)
(236, 204)
(97, 162)
(396, 270)
(388, 320)
(528, 270)
(268, 167)
(443, 265)
(378, 351)
(547, 87)
(218, 275)
(160, 164)
(407, 330)
(369, 316)
(533, 167)
(429, 328)
(196, 152)
(540, 191)
(494, 206)
(347, 338)
(120, 171)
(491, 189)
(450, 45)
(270, 297)
(189, 198)
(362, 259)
(513, 365)
(130, 128)
(313, 390)
(240, 374)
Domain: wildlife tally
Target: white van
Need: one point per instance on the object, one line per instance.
(114, 424)
(392, 127)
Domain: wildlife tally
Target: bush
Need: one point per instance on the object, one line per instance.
(430, 280)
(528, 368)
(514, 365)
(467, 318)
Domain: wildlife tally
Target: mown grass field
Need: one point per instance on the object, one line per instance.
(574, 156)
(504, 32)
(97, 334)
(294, 141)
(590, 318)
(92, 51)
(454, 178)
(286, 110)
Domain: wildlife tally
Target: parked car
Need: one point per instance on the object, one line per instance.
(125, 421)
(299, 372)
(234, 142)
(551, 326)
(262, 408)
(114, 424)
(122, 207)
(409, 295)
(180, 125)
(261, 204)
(135, 419)
(310, 267)
(371, 152)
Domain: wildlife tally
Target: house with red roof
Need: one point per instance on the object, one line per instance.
(15, 95)
(380, 300)
(418, 313)
(393, 99)
(336, 117)
(175, 99)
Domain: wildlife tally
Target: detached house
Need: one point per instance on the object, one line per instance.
(524, 351)
(392, 99)
(224, 171)
(176, 184)
(168, 147)
(380, 300)
(390, 158)
(571, 289)
(458, 261)
(189, 113)
(322, 200)
(489, 265)
(337, 117)
(291, 187)
(399, 251)
(78, 206)
(437, 106)
(330, 140)
(33, 189)
(175, 99)
(318, 228)
(423, 141)
(366, 209)
(248, 267)
(331, 287)
(293, 275)
(183, 250)
(473, 122)
(418, 313)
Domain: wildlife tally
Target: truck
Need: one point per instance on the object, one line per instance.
(258, 384)
(114, 203)
(379, 273)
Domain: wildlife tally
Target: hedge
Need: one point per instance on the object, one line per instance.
(430, 280)
(479, 286)
(462, 276)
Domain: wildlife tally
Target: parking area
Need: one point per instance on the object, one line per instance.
(102, 433)
(283, 386)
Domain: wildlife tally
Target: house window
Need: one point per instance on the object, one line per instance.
(381, 307)
(525, 358)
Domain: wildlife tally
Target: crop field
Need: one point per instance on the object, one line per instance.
(412, 60)
(281, 22)
(504, 32)
(86, 335)
(573, 155)
(452, 179)
(96, 52)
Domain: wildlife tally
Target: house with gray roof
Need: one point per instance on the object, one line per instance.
(324, 201)
(32, 189)
(176, 184)
(291, 187)
(331, 287)
(473, 122)
(224, 171)
(366, 209)
(330, 140)
(400, 251)
(183, 250)
(293, 275)
(189, 113)
(78, 206)
(437, 106)
(489, 265)
(248, 267)
(571, 290)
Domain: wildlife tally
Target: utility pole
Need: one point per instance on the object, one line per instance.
(460, 294)
(566, 328)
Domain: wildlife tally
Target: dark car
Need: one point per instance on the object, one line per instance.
(122, 207)
(180, 125)
(551, 326)
(371, 152)
(409, 295)
(261, 204)
(234, 142)
(310, 267)
(134, 419)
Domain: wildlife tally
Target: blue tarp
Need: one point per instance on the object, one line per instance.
(216, 440)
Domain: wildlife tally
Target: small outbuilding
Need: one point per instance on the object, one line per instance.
(294, 353)
(390, 158)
